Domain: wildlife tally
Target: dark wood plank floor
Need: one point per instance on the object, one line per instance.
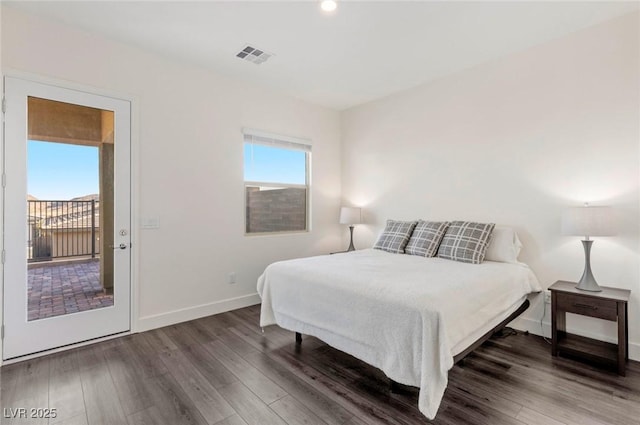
(223, 370)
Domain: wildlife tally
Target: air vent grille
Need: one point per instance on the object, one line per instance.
(253, 54)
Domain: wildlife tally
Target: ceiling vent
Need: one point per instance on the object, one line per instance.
(251, 54)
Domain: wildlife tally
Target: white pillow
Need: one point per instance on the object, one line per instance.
(504, 245)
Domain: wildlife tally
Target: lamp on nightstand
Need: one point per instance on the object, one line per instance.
(350, 216)
(587, 221)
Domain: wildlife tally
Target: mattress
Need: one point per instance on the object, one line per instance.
(403, 314)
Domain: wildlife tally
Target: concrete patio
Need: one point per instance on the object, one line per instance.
(70, 287)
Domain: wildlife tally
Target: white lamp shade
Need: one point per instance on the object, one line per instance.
(350, 215)
(588, 221)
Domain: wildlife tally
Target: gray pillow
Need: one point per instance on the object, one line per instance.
(395, 236)
(466, 241)
(426, 237)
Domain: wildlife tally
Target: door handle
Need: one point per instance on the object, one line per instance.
(121, 246)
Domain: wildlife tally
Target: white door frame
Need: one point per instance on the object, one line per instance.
(134, 191)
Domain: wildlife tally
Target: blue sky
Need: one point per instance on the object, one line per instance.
(274, 165)
(60, 171)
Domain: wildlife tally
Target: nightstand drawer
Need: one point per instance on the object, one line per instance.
(588, 306)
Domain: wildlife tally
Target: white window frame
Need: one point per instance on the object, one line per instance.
(258, 137)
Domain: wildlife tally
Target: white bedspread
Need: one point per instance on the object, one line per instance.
(399, 313)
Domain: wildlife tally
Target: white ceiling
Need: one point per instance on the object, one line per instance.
(363, 51)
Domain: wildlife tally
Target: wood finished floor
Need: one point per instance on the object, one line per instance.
(222, 370)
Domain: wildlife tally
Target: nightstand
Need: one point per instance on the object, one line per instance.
(610, 304)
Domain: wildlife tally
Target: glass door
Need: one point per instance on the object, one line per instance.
(67, 217)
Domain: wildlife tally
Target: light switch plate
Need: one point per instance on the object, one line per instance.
(150, 222)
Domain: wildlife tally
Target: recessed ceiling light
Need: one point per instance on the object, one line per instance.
(328, 5)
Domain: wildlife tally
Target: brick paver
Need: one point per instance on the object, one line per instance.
(54, 290)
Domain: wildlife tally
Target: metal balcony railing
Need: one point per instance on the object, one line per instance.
(59, 229)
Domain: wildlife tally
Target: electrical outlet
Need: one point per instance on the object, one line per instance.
(547, 297)
(231, 278)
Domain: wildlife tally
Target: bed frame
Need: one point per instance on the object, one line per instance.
(480, 340)
(495, 329)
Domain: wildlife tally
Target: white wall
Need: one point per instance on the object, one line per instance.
(514, 142)
(188, 164)
(1, 206)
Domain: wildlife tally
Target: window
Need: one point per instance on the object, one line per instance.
(276, 183)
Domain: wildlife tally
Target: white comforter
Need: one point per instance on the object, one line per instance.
(400, 313)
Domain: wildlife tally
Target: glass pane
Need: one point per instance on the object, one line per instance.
(275, 209)
(274, 165)
(69, 207)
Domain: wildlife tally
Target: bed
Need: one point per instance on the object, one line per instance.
(409, 316)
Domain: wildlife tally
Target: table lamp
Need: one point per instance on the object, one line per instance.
(587, 221)
(350, 216)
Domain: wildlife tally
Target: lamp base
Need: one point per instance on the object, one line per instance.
(588, 286)
(587, 281)
(351, 247)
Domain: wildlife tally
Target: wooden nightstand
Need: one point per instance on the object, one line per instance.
(610, 304)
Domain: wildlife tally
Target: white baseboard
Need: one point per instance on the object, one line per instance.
(533, 326)
(147, 323)
(634, 351)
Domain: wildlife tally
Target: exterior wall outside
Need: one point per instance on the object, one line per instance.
(276, 210)
(73, 242)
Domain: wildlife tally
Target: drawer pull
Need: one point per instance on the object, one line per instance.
(592, 307)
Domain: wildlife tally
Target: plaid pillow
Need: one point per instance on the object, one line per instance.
(466, 241)
(395, 236)
(426, 237)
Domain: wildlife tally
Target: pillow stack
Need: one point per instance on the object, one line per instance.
(395, 236)
(466, 241)
(504, 245)
(463, 241)
(426, 238)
